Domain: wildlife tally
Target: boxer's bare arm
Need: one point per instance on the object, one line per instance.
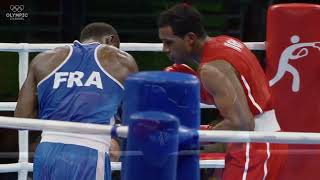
(27, 104)
(119, 64)
(221, 81)
(41, 66)
(116, 62)
(114, 151)
(44, 63)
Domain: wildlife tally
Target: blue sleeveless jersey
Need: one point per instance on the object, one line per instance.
(79, 89)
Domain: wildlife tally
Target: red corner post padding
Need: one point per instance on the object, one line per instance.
(293, 68)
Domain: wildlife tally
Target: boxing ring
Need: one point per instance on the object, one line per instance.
(23, 166)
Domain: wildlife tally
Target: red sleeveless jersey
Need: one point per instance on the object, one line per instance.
(251, 75)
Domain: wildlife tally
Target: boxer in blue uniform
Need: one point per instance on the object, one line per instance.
(83, 83)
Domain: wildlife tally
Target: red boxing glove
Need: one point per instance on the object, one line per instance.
(205, 127)
(183, 68)
(180, 68)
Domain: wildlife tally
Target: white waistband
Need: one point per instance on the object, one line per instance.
(98, 142)
(267, 121)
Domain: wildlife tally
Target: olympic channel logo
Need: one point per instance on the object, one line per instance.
(17, 12)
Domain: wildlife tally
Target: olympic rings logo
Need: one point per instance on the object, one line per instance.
(16, 8)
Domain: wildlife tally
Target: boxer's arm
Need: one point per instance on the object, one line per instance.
(221, 81)
(128, 65)
(114, 150)
(40, 67)
(27, 104)
(116, 62)
(128, 61)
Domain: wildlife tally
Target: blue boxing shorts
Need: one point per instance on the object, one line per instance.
(70, 161)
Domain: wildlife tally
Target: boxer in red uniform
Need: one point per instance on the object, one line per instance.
(233, 77)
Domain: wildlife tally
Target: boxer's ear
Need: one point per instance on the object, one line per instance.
(190, 38)
(109, 39)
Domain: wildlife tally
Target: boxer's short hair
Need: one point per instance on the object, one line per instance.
(182, 18)
(97, 30)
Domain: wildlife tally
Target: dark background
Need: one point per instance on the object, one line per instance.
(60, 21)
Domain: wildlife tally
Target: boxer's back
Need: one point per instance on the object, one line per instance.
(81, 83)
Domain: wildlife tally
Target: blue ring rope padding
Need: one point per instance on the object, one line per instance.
(114, 131)
(152, 146)
(188, 138)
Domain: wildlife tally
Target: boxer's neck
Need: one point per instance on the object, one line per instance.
(198, 49)
(88, 41)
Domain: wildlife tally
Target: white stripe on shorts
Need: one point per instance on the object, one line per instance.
(244, 175)
(100, 166)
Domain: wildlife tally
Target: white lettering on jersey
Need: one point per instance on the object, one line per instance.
(75, 78)
(58, 78)
(233, 44)
(94, 79)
